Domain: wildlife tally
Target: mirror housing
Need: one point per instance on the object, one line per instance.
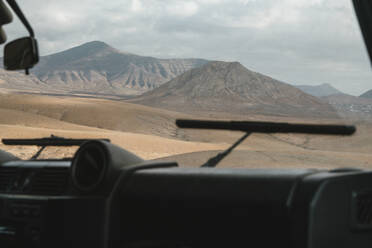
(21, 54)
(2, 36)
(5, 18)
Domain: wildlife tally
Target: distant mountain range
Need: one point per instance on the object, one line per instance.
(232, 88)
(319, 90)
(347, 106)
(95, 67)
(351, 106)
(185, 85)
(367, 94)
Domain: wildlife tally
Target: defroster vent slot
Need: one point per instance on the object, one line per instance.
(50, 181)
(7, 178)
(362, 210)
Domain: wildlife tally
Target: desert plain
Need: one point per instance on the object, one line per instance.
(151, 134)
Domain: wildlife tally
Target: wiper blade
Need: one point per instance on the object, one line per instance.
(48, 141)
(268, 127)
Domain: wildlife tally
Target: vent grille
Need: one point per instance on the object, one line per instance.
(7, 178)
(364, 209)
(50, 181)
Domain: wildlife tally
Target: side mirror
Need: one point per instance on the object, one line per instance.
(21, 54)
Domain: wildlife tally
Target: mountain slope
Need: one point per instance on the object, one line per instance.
(95, 67)
(19, 81)
(230, 87)
(367, 94)
(319, 90)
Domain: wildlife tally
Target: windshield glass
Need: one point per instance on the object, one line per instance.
(126, 70)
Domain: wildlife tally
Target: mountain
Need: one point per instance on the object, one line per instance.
(319, 90)
(367, 94)
(95, 67)
(351, 107)
(231, 88)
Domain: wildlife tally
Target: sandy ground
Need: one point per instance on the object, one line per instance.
(151, 134)
(145, 146)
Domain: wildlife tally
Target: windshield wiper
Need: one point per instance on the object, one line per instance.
(48, 141)
(45, 142)
(261, 127)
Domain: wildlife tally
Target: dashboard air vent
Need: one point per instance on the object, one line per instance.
(89, 166)
(50, 181)
(364, 209)
(361, 210)
(7, 178)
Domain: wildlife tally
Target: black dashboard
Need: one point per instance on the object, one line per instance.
(107, 197)
(38, 204)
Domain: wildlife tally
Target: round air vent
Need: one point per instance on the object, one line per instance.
(89, 166)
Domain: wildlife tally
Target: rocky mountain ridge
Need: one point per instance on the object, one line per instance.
(96, 67)
(232, 88)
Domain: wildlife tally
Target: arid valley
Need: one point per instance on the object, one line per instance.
(136, 102)
(151, 134)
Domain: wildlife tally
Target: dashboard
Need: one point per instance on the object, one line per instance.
(106, 196)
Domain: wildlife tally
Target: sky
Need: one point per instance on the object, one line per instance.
(296, 41)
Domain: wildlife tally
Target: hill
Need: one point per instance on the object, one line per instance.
(151, 134)
(31, 110)
(319, 90)
(19, 81)
(97, 67)
(97, 113)
(231, 88)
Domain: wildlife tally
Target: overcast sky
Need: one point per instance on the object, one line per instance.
(296, 41)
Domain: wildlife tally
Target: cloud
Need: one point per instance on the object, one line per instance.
(296, 41)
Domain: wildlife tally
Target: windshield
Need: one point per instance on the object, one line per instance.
(126, 70)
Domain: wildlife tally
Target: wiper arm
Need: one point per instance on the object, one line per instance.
(268, 127)
(212, 162)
